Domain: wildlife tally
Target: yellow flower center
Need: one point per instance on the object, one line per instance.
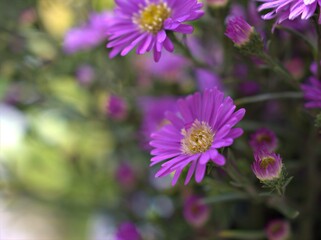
(151, 18)
(197, 139)
(266, 161)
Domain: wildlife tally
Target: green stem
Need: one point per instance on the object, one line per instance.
(240, 234)
(268, 96)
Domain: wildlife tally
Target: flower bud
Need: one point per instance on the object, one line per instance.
(267, 166)
(278, 230)
(243, 35)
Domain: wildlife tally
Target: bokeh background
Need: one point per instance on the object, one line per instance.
(74, 158)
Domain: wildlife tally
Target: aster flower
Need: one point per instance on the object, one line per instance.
(127, 231)
(88, 35)
(278, 230)
(289, 9)
(202, 125)
(196, 212)
(263, 138)
(239, 31)
(312, 93)
(143, 24)
(267, 166)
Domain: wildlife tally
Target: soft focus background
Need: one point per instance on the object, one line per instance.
(74, 158)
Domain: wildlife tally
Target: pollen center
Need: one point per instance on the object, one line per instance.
(266, 161)
(151, 18)
(197, 139)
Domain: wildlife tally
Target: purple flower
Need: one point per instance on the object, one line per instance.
(143, 24)
(127, 231)
(289, 9)
(89, 35)
(238, 30)
(116, 107)
(312, 93)
(196, 212)
(278, 230)
(154, 115)
(203, 124)
(263, 138)
(267, 166)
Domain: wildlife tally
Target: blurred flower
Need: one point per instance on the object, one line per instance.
(267, 166)
(202, 125)
(125, 175)
(248, 88)
(295, 66)
(288, 9)
(278, 230)
(312, 93)
(154, 115)
(127, 231)
(89, 35)
(207, 79)
(314, 68)
(116, 107)
(196, 212)
(263, 138)
(56, 16)
(239, 31)
(85, 74)
(144, 24)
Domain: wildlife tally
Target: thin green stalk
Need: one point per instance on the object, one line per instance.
(268, 96)
(241, 234)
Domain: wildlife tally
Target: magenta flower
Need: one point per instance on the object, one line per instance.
(88, 35)
(312, 93)
(196, 212)
(278, 230)
(202, 125)
(143, 24)
(116, 107)
(238, 30)
(289, 9)
(267, 166)
(127, 231)
(264, 138)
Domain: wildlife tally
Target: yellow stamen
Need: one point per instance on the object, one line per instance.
(151, 18)
(197, 139)
(266, 161)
